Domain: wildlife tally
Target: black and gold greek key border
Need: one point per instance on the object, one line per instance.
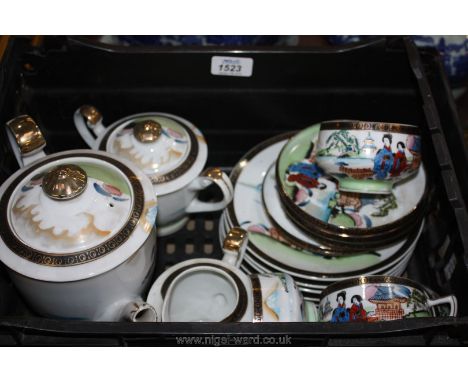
(242, 303)
(75, 258)
(171, 175)
(375, 126)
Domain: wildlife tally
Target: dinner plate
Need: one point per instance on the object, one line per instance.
(313, 279)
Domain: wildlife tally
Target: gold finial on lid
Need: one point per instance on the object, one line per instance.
(147, 131)
(65, 182)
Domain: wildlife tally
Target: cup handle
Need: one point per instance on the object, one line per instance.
(451, 300)
(88, 122)
(234, 246)
(209, 176)
(26, 139)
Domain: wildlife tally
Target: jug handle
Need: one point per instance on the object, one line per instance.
(88, 122)
(234, 246)
(208, 177)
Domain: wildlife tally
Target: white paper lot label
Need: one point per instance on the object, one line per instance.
(231, 66)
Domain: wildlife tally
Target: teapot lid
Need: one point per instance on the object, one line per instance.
(74, 208)
(165, 147)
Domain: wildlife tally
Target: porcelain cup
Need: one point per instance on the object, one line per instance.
(379, 298)
(368, 157)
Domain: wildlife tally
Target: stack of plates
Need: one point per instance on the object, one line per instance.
(276, 244)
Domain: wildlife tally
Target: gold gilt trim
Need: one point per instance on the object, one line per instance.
(147, 131)
(91, 114)
(375, 126)
(214, 173)
(257, 298)
(65, 182)
(27, 134)
(234, 240)
(173, 174)
(75, 258)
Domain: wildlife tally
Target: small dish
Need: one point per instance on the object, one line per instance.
(348, 220)
(379, 298)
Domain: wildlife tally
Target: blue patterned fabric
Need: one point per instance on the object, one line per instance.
(453, 50)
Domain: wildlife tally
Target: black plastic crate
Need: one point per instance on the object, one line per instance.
(290, 89)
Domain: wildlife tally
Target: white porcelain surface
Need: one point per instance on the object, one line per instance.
(202, 294)
(104, 297)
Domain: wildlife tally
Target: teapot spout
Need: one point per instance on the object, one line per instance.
(139, 311)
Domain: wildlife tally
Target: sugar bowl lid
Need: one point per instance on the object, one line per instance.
(74, 215)
(170, 150)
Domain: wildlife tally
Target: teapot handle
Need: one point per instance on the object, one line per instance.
(26, 139)
(88, 122)
(234, 246)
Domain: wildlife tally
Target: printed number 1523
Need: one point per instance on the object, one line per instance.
(230, 68)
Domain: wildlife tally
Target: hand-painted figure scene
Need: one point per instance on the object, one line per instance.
(359, 157)
(379, 303)
(319, 196)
